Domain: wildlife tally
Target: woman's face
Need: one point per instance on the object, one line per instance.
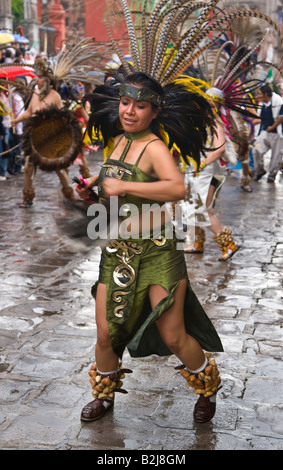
(135, 116)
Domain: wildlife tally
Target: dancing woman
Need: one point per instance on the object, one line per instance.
(143, 296)
(144, 301)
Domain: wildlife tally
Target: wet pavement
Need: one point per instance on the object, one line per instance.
(47, 331)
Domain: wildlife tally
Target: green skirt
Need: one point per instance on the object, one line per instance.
(128, 268)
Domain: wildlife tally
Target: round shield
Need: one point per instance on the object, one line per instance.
(52, 138)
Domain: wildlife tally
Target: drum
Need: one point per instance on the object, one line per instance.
(52, 138)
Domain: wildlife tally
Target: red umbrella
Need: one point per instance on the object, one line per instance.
(14, 71)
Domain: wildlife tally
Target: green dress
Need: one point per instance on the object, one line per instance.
(129, 266)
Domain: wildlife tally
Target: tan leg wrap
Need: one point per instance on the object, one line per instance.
(28, 194)
(224, 238)
(245, 180)
(84, 171)
(206, 382)
(226, 243)
(104, 386)
(68, 192)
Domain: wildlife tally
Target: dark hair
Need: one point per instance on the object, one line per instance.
(21, 77)
(266, 89)
(183, 113)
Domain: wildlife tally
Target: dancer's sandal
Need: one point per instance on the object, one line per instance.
(226, 243)
(104, 387)
(197, 248)
(26, 204)
(247, 188)
(245, 180)
(96, 409)
(28, 196)
(204, 409)
(192, 249)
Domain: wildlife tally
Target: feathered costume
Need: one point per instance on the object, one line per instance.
(53, 137)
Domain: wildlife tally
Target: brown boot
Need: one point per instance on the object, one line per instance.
(28, 196)
(206, 384)
(204, 409)
(226, 243)
(197, 247)
(104, 387)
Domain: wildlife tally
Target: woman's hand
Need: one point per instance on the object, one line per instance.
(113, 187)
(83, 191)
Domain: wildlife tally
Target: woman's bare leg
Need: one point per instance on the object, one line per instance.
(172, 328)
(106, 359)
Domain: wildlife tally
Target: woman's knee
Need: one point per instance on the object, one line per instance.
(173, 340)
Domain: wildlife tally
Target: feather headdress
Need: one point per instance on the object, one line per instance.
(231, 64)
(230, 67)
(164, 48)
(74, 62)
(159, 29)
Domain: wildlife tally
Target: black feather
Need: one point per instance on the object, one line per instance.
(188, 119)
(104, 116)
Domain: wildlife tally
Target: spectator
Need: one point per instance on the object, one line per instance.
(9, 57)
(270, 134)
(18, 107)
(3, 168)
(6, 121)
(19, 57)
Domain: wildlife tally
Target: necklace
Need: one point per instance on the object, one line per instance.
(130, 136)
(136, 135)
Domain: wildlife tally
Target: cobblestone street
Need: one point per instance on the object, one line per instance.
(48, 331)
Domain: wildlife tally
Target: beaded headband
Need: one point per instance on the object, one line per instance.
(140, 94)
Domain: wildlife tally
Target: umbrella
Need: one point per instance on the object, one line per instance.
(20, 39)
(14, 71)
(6, 38)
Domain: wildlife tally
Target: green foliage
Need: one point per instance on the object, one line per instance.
(17, 12)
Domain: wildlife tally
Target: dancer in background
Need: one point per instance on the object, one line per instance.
(202, 190)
